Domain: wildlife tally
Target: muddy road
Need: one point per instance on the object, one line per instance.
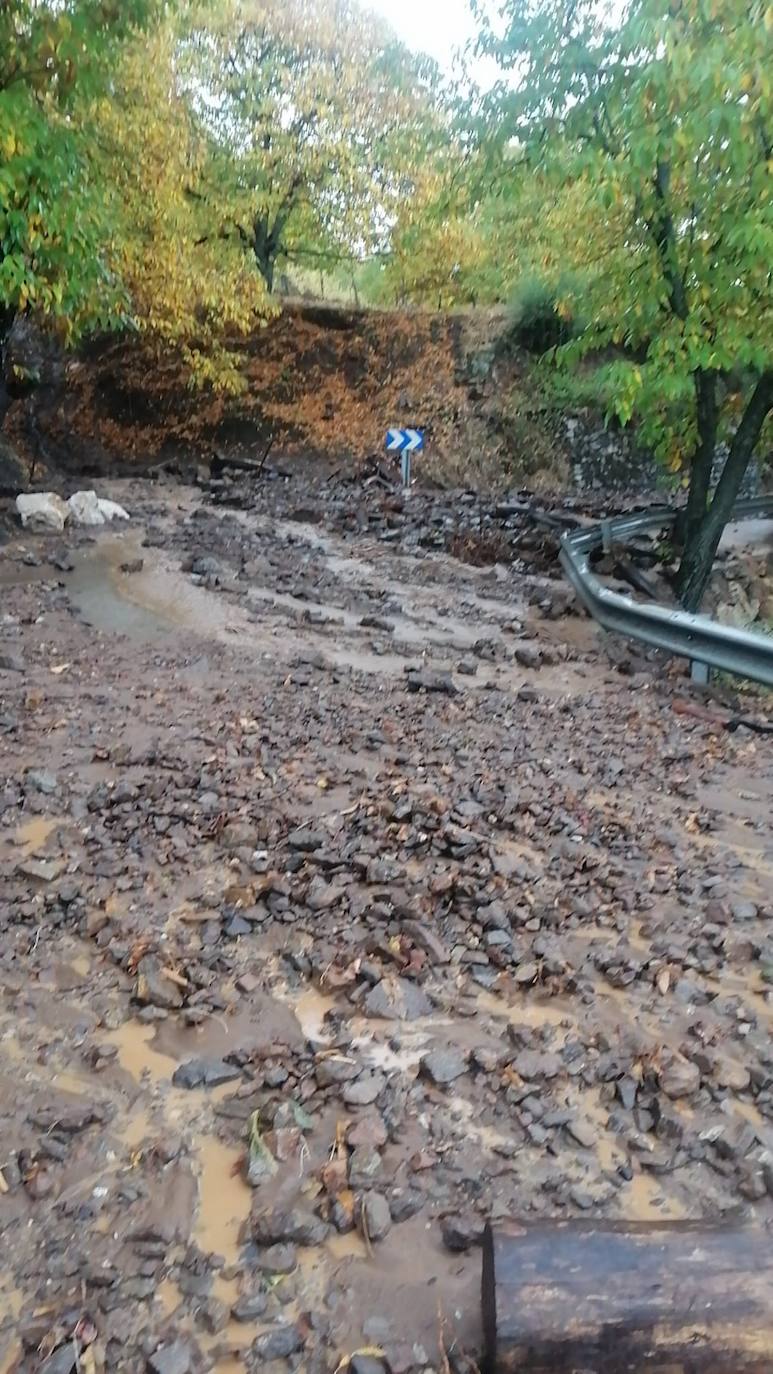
(351, 894)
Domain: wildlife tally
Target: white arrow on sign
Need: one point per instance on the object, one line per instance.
(414, 438)
(395, 440)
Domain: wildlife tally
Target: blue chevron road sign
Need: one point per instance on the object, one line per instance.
(405, 440)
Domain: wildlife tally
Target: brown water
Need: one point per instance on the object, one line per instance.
(136, 1054)
(224, 1198)
(144, 606)
(32, 834)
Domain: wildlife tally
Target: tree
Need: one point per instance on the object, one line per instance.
(315, 116)
(186, 292)
(650, 139)
(51, 213)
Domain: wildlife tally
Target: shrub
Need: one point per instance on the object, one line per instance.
(538, 321)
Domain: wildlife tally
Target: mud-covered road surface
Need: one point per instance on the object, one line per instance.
(351, 895)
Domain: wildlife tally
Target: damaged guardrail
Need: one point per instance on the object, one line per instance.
(697, 637)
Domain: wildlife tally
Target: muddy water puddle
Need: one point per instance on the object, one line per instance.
(33, 834)
(146, 605)
(136, 1053)
(311, 1008)
(224, 1198)
(526, 1010)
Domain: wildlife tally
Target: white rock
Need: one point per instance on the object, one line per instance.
(84, 508)
(112, 511)
(89, 509)
(42, 510)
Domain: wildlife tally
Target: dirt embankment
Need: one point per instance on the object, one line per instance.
(319, 381)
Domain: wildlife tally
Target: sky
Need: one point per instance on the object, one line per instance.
(433, 26)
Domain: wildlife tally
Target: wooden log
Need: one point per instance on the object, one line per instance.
(584, 1297)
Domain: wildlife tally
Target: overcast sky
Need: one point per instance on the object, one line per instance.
(433, 26)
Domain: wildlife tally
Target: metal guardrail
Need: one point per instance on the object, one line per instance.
(704, 641)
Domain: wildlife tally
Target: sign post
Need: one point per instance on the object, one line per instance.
(405, 442)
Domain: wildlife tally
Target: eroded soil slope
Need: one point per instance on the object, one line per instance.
(318, 381)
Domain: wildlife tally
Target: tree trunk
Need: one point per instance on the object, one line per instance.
(7, 317)
(266, 265)
(703, 458)
(699, 553)
(606, 1297)
(264, 251)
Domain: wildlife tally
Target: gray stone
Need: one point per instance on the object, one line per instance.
(278, 1259)
(278, 1344)
(336, 1069)
(174, 1358)
(41, 870)
(321, 896)
(61, 1361)
(424, 680)
(249, 1307)
(369, 1130)
(153, 987)
(460, 1232)
(213, 1315)
(397, 999)
(528, 655)
(306, 840)
(426, 939)
(42, 781)
(526, 974)
(205, 566)
(366, 1364)
(364, 1090)
(404, 1203)
(678, 1077)
(204, 1073)
(364, 1167)
(11, 662)
(534, 1064)
(237, 926)
(443, 1066)
(239, 834)
(583, 1132)
(375, 1216)
(627, 1089)
(287, 1224)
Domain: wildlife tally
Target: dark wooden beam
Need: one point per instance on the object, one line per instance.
(625, 1298)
